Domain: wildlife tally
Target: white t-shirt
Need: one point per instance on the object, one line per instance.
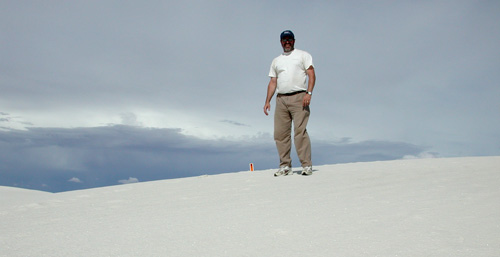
(290, 69)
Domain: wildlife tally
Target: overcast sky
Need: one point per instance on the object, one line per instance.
(96, 93)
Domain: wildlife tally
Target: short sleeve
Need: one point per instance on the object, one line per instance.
(272, 69)
(308, 61)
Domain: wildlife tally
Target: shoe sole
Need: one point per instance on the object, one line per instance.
(306, 173)
(284, 174)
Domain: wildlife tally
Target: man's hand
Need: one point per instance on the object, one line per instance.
(270, 92)
(267, 107)
(307, 100)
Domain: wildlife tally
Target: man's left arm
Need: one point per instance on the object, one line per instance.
(310, 86)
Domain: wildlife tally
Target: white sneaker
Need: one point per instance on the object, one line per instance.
(283, 171)
(306, 171)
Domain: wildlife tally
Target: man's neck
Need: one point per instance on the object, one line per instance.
(289, 52)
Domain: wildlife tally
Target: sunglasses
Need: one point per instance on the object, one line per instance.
(287, 40)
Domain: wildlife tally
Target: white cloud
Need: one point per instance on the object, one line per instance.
(423, 155)
(75, 180)
(128, 181)
(130, 119)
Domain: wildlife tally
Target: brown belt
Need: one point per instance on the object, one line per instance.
(292, 93)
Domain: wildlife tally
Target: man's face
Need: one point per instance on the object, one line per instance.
(287, 43)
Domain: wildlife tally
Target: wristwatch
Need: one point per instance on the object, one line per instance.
(309, 93)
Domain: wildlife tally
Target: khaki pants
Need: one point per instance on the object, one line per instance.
(289, 109)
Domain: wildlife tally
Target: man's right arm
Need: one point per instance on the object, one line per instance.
(271, 88)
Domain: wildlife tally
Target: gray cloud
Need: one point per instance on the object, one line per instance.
(101, 156)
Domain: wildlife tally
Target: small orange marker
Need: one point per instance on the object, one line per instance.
(251, 166)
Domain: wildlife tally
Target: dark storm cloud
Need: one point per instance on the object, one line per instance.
(49, 158)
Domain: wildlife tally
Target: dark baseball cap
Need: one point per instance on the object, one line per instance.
(287, 33)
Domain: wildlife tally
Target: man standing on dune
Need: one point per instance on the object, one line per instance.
(289, 78)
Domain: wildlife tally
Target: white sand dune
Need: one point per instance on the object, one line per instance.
(422, 207)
